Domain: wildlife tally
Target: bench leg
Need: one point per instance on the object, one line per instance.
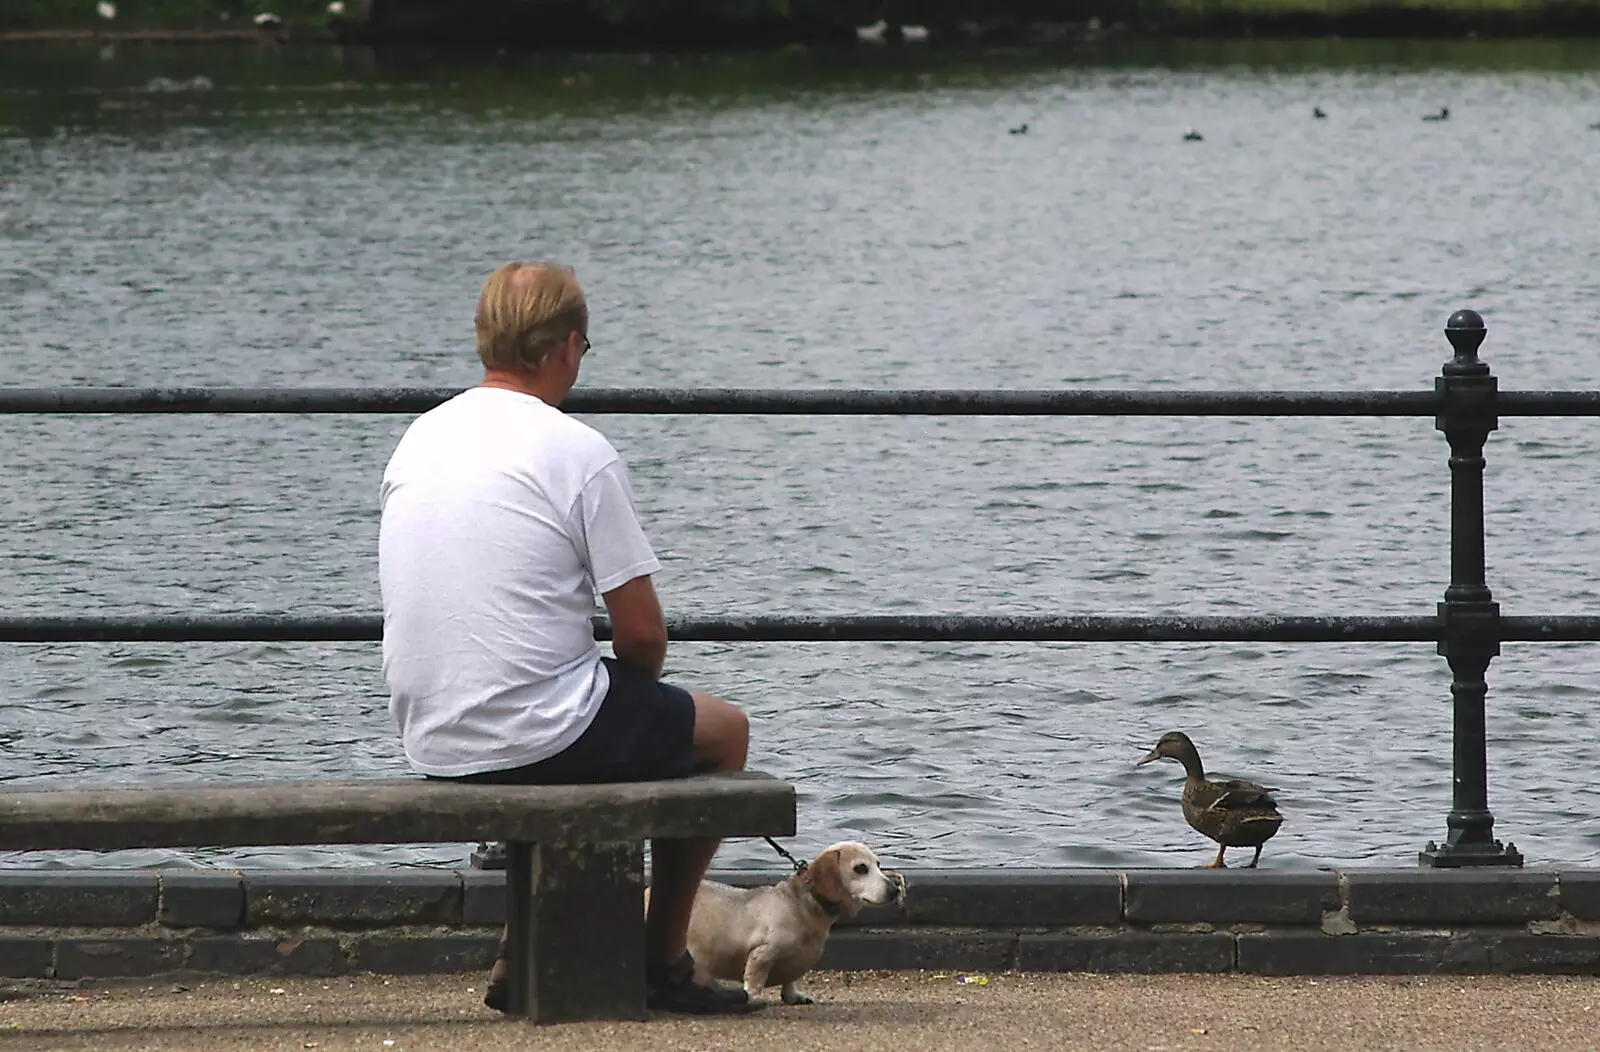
(576, 940)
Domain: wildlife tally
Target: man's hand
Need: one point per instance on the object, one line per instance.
(638, 631)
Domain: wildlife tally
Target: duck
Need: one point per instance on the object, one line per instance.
(1234, 813)
(874, 33)
(1442, 115)
(1316, 111)
(1193, 136)
(1021, 129)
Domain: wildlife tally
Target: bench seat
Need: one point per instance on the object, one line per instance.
(574, 853)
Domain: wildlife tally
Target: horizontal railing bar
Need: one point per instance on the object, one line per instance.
(73, 400)
(243, 628)
(754, 401)
(1077, 629)
(1563, 629)
(1549, 403)
(258, 628)
(735, 401)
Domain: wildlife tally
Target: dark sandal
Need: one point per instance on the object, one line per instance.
(672, 988)
(496, 995)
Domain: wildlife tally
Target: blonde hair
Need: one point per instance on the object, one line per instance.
(525, 311)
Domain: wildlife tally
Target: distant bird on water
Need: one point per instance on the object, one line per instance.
(166, 84)
(1234, 813)
(878, 33)
(106, 10)
(1316, 111)
(1193, 136)
(1021, 129)
(268, 20)
(1442, 115)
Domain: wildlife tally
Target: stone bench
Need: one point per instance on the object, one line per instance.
(574, 853)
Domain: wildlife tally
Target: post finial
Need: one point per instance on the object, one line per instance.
(1465, 331)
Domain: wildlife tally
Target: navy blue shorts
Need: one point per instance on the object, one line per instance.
(644, 732)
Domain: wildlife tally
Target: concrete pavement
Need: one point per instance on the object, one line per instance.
(858, 1012)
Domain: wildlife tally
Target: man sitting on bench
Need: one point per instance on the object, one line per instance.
(502, 519)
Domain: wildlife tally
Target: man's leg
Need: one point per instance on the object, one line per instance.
(721, 742)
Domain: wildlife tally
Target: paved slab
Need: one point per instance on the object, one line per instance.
(859, 1013)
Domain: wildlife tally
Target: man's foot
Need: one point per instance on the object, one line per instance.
(497, 995)
(671, 988)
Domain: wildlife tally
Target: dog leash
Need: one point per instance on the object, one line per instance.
(830, 907)
(799, 867)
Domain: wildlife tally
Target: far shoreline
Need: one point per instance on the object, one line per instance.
(1554, 22)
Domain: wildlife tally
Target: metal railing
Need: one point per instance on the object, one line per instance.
(1467, 627)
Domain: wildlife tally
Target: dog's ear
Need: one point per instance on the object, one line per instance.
(824, 873)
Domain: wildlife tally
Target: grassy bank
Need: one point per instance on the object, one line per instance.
(133, 15)
(718, 23)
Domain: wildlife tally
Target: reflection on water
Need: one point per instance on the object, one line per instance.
(794, 220)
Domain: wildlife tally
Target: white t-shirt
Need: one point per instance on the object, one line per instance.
(502, 519)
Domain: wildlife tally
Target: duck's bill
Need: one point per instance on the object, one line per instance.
(1153, 756)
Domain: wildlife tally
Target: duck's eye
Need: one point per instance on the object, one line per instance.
(861, 869)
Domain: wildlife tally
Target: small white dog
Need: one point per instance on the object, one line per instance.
(772, 936)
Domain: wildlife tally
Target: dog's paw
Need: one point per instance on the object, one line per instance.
(792, 996)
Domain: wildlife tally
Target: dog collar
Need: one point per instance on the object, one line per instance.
(830, 907)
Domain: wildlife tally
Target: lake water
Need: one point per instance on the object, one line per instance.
(813, 220)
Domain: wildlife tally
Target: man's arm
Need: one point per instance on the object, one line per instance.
(638, 631)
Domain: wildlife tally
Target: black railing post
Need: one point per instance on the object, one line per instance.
(1469, 617)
